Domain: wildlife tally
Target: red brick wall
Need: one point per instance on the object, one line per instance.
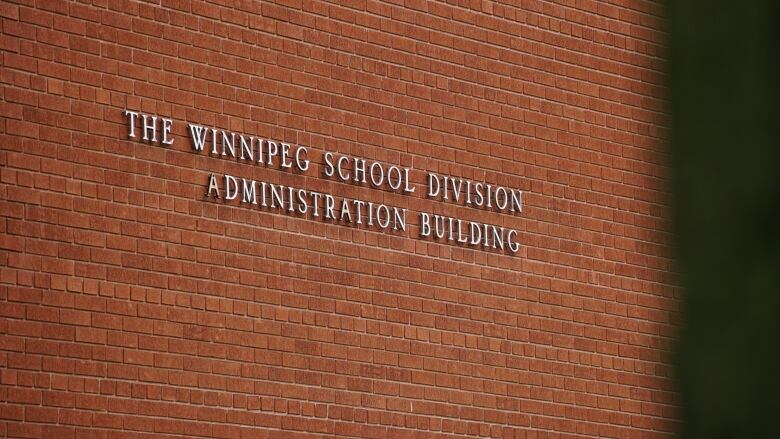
(132, 306)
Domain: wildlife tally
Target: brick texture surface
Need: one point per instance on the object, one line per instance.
(133, 307)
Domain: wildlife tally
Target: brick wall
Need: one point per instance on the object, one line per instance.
(133, 306)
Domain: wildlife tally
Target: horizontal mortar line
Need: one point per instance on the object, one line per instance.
(612, 275)
(335, 181)
(370, 393)
(660, 337)
(584, 12)
(498, 172)
(386, 192)
(520, 24)
(415, 54)
(369, 246)
(401, 325)
(362, 245)
(444, 331)
(386, 426)
(541, 317)
(432, 116)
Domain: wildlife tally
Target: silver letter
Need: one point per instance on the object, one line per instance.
(505, 198)
(133, 115)
(343, 159)
(330, 203)
(305, 166)
(247, 148)
(345, 211)
(167, 125)
(303, 206)
(286, 163)
(517, 201)
(431, 179)
(380, 174)
(478, 198)
(425, 224)
(147, 128)
(407, 188)
(438, 226)
(212, 186)
(389, 176)
(498, 236)
(476, 232)
(250, 195)
(358, 206)
(229, 144)
(398, 218)
(231, 187)
(316, 197)
(457, 184)
(198, 134)
(272, 150)
(359, 169)
(277, 195)
(328, 171)
(379, 216)
(513, 246)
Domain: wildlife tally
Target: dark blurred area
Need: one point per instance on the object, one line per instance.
(724, 82)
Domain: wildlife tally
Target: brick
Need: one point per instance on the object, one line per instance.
(135, 305)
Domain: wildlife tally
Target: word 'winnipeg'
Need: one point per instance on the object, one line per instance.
(242, 147)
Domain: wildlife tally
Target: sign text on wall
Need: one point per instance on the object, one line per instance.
(317, 205)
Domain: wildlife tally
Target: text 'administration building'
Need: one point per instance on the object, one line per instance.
(353, 219)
